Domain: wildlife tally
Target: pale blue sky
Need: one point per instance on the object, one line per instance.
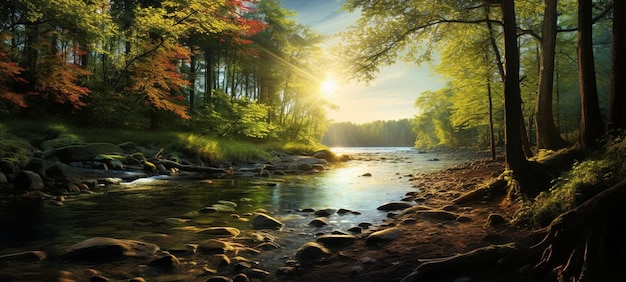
(390, 96)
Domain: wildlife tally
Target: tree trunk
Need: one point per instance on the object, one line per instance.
(591, 126)
(492, 143)
(515, 159)
(548, 136)
(617, 99)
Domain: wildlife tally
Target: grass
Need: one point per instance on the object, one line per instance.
(206, 148)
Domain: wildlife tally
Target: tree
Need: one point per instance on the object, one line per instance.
(591, 125)
(617, 100)
(548, 136)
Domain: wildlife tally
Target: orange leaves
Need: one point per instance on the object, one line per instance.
(157, 79)
(58, 79)
(9, 74)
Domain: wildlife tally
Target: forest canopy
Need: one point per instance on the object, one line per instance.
(235, 68)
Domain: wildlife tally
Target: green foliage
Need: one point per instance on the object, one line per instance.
(393, 133)
(233, 117)
(582, 182)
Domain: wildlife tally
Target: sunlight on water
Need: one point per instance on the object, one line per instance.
(149, 209)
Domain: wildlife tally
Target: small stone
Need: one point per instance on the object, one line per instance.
(219, 279)
(325, 212)
(336, 241)
(137, 279)
(495, 219)
(383, 236)
(311, 252)
(356, 229)
(264, 221)
(166, 262)
(241, 277)
(394, 206)
(319, 222)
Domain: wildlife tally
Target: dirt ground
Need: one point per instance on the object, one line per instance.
(429, 238)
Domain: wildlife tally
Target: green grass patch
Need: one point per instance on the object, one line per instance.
(205, 148)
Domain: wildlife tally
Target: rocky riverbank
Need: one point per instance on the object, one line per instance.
(427, 226)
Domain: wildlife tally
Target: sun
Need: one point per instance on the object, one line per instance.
(328, 87)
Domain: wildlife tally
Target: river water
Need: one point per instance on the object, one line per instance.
(148, 208)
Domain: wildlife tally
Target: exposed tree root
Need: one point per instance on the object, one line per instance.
(494, 187)
(584, 244)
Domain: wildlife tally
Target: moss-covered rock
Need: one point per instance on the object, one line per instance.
(86, 152)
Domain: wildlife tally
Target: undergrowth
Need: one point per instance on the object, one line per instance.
(587, 178)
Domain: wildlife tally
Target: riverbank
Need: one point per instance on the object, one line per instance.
(426, 236)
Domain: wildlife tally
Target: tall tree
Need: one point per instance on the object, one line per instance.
(591, 125)
(515, 158)
(617, 100)
(548, 136)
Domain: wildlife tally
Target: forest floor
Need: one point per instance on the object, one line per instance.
(429, 239)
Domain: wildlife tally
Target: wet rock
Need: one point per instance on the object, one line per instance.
(437, 215)
(311, 252)
(108, 249)
(336, 241)
(208, 210)
(137, 279)
(220, 231)
(264, 221)
(25, 256)
(394, 206)
(286, 270)
(383, 236)
(3, 178)
(365, 225)
(166, 262)
(37, 166)
(356, 229)
(367, 174)
(213, 246)
(256, 273)
(267, 246)
(325, 212)
(28, 180)
(319, 222)
(221, 260)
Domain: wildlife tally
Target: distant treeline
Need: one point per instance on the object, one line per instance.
(390, 133)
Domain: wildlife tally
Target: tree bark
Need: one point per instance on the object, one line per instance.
(548, 136)
(591, 125)
(617, 98)
(515, 158)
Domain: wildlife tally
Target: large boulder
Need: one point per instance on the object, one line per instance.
(102, 249)
(86, 152)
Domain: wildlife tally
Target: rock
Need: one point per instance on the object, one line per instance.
(394, 206)
(463, 219)
(325, 212)
(86, 152)
(25, 256)
(241, 277)
(166, 262)
(437, 214)
(311, 252)
(219, 279)
(367, 174)
(336, 241)
(213, 246)
(256, 273)
(495, 219)
(319, 222)
(37, 166)
(264, 221)
(8, 166)
(383, 236)
(108, 249)
(3, 178)
(28, 180)
(98, 278)
(365, 225)
(137, 279)
(221, 260)
(355, 229)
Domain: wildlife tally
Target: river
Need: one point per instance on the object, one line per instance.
(148, 208)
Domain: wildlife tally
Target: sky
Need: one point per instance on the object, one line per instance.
(390, 96)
